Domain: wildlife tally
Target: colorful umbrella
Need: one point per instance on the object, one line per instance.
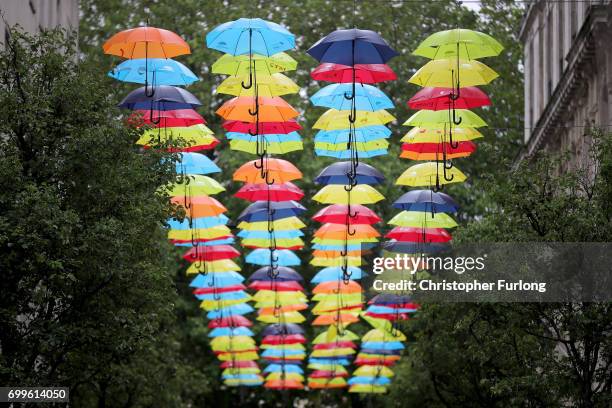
(364, 73)
(250, 36)
(146, 42)
(352, 46)
(159, 71)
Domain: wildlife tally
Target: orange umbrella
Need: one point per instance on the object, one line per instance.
(337, 287)
(146, 42)
(281, 309)
(317, 253)
(334, 318)
(338, 231)
(199, 206)
(281, 171)
(271, 109)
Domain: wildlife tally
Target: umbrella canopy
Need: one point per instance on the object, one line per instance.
(195, 163)
(443, 73)
(335, 119)
(154, 71)
(279, 170)
(282, 329)
(165, 98)
(279, 274)
(413, 234)
(420, 219)
(426, 200)
(459, 42)
(271, 109)
(237, 65)
(437, 151)
(250, 35)
(267, 85)
(338, 213)
(194, 185)
(363, 134)
(281, 257)
(166, 118)
(200, 206)
(430, 174)
(336, 194)
(364, 73)
(211, 253)
(272, 144)
(440, 99)
(274, 192)
(179, 139)
(367, 97)
(352, 46)
(146, 42)
(336, 273)
(440, 119)
(438, 135)
(337, 173)
(264, 210)
(263, 128)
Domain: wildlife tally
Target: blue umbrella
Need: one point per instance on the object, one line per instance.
(288, 234)
(383, 345)
(337, 173)
(388, 310)
(230, 331)
(286, 367)
(426, 200)
(335, 273)
(369, 380)
(239, 309)
(278, 329)
(160, 71)
(198, 223)
(346, 154)
(241, 377)
(282, 257)
(362, 134)
(352, 46)
(237, 295)
(281, 353)
(329, 360)
(280, 274)
(165, 98)
(381, 351)
(270, 210)
(250, 35)
(220, 280)
(349, 247)
(196, 163)
(337, 96)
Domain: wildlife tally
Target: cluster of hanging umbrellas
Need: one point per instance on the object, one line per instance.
(260, 122)
(353, 128)
(167, 113)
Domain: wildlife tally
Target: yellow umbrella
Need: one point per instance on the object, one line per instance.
(272, 148)
(342, 351)
(296, 346)
(217, 231)
(423, 219)
(336, 119)
(331, 335)
(281, 297)
(436, 135)
(430, 174)
(378, 335)
(196, 135)
(281, 242)
(287, 317)
(439, 73)
(283, 224)
(209, 305)
(336, 194)
(243, 64)
(194, 185)
(440, 119)
(368, 388)
(267, 85)
(339, 261)
(360, 146)
(218, 266)
(373, 371)
(248, 356)
(285, 376)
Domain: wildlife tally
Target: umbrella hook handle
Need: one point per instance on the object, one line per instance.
(351, 233)
(349, 186)
(151, 118)
(455, 120)
(452, 176)
(259, 163)
(152, 93)
(268, 182)
(250, 84)
(250, 61)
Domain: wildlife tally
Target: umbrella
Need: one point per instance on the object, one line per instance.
(338, 231)
(282, 329)
(194, 185)
(348, 154)
(270, 210)
(270, 109)
(364, 73)
(338, 213)
(336, 273)
(263, 127)
(195, 163)
(200, 206)
(443, 73)
(179, 139)
(278, 225)
(420, 219)
(146, 42)
(339, 96)
(216, 279)
(237, 65)
(211, 253)
(338, 173)
(426, 200)
(430, 174)
(280, 257)
(270, 148)
(159, 71)
(441, 99)
(279, 170)
(267, 86)
(274, 192)
(165, 98)
(336, 194)
(363, 134)
(437, 151)
(462, 43)
(250, 36)
(440, 119)
(352, 46)
(197, 223)
(334, 119)
(166, 118)
(437, 135)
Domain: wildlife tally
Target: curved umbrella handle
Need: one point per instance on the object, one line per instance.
(351, 233)
(349, 96)
(349, 186)
(454, 145)
(455, 120)
(153, 121)
(259, 164)
(250, 84)
(268, 182)
(256, 111)
(452, 176)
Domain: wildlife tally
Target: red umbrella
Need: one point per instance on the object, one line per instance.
(286, 339)
(436, 151)
(335, 344)
(364, 73)
(374, 361)
(225, 289)
(413, 234)
(275, 192)
(211, 253)
(187, 241)
(388, 316)
(239, 364)
(439, 99)
(168, 118)
(265, 128)
(290, 286)
(230, 321)
(327, 374)
(336, 214)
